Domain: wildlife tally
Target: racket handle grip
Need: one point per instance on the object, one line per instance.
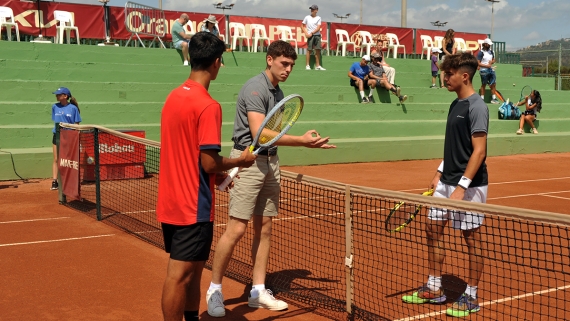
(229, 178)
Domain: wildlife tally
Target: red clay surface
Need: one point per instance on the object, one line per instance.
(59, 264)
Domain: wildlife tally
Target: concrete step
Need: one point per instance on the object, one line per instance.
(16, 136)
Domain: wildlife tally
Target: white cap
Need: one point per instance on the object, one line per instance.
(488, 41)
(366, 57)
(434, 49)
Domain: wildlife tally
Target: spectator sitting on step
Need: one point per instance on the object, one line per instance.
(390, 71)
(209, 25)
(359, 77)
(180, 39)
(533, 104)
(378, 75)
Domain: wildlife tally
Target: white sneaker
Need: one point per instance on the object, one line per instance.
(215, 301)
(308, 67)
(319, 68)
(185, 63)
(265, 300)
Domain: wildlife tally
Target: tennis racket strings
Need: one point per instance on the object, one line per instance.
(280, 121)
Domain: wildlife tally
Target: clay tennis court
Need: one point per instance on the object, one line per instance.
(60, 264)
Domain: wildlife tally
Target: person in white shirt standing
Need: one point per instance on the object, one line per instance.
(312, 28)
(486, 58)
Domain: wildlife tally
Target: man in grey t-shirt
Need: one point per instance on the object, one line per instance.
(255, 195)
(462, 175)
(377, 73)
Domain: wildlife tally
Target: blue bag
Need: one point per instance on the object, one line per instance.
(508, 111)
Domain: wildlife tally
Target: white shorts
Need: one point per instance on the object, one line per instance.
(460, 220)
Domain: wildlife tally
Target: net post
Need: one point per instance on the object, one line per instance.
(97, 172)
(348, 249)
(60, 195)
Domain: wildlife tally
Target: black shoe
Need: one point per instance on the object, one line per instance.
(371, 99)
(365, 100)
(403, 98)
(54, 185)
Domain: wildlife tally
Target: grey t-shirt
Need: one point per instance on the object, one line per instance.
(257, 95)
(376, 70)
(466, 117)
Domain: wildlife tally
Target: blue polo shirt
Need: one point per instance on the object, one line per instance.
(64, 114)
(359, 71)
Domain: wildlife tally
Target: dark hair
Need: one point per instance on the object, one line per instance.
(463, 61)
(204, 48)
(537, 100)
(281, 48)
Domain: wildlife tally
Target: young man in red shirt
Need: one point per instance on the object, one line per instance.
(190, 166)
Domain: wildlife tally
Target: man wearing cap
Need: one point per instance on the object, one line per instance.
(179, 37)
(435, 67)
(312, 28)
(359, 77)
(486, 58)
(378, 76)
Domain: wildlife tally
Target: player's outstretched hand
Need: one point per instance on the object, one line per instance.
(312, 139)
(247, 158)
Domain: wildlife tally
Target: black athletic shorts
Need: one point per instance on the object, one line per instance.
(364, 83)
(188, 242)
(53, 140)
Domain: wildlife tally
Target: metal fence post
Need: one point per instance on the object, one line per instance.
(97, 173)
(559, 65)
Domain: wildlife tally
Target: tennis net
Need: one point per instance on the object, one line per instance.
(331, 252)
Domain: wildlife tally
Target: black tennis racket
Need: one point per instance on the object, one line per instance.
(403, 214)
(276, 124)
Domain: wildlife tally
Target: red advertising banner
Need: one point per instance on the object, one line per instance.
(405, 35)
(471, 39)
(271, 25)
(69, 163)
(90, 21)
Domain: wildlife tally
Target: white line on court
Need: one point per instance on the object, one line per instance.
(562, 198)
(502, 183)
(522, 195)
(35, 220)
(58, 240)
(512, 298)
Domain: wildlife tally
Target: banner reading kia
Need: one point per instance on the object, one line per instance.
(69, 163)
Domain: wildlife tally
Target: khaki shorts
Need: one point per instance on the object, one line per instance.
(257, 190)
(314, 42)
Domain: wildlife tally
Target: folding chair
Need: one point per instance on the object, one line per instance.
(65, 25)
(286, 34)
(5, 14)
(394, 45)
(343, 40)
(366, 42)
(427, 44)
(238, 34)
(258, 36)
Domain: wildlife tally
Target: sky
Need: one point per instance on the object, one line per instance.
(519, 23)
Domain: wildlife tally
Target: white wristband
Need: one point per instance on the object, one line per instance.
(440, 168)
(464, 182)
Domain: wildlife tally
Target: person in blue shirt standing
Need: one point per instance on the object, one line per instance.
(359, 78)
(66, 110)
